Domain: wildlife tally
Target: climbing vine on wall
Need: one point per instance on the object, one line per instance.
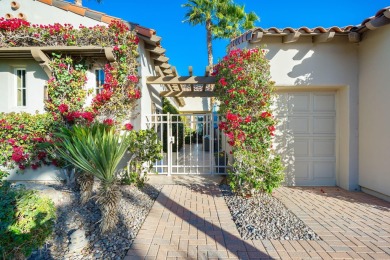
(245, 91)
(66, 103)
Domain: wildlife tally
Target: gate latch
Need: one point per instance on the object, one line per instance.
(172, 139)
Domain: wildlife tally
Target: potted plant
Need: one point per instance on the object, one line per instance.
(221, 160)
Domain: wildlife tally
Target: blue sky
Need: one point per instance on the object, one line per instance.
(186, 45)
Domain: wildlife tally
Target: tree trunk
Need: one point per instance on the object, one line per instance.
(209, 43)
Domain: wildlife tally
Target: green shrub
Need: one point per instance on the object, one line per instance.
(246, 92)
(145, 148)
(26, 221)
(22, 136)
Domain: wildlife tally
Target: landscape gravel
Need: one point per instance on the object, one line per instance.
(71, 216)
(265, 217)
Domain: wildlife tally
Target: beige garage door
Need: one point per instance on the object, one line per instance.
(309, 129)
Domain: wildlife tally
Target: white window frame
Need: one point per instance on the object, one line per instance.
(23, 87)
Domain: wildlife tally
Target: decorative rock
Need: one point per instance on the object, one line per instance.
(133, 209)
(265, 217)
(78, 241)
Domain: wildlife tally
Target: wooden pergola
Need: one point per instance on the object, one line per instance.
(184, 86)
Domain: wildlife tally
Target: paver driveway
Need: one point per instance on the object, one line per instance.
(193, 222)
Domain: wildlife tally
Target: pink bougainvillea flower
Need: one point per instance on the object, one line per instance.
(63, 108)
(133, 78)
(129, 127)
(11, 141)
(266, 114)
(223, 82)
(109, 122)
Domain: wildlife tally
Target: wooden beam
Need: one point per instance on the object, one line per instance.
(159, 72)
(43, 60)
(257, 36)
(190, 70)
(154, 40)
(188, 94)
(181, 80)
(291, 37)
(108, 51)
(174, 72)
(354, 37)
(155, 49)
(167, 71)
(163, 65)
(158, 57)
(324, 37)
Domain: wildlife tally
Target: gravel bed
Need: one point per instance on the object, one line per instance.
(134, 207)
(265, 217)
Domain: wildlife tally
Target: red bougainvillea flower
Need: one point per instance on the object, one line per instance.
(132, 78)
(11, 141)
(266, 114)
(272, 130)
(63, 108)
(109, 122)
(129, 127)
(223, 82)
(89, 116)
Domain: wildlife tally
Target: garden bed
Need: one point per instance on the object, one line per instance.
(133, 209)
(265, 217)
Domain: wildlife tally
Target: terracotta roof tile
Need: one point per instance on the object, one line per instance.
(382, 17)
(98, 16)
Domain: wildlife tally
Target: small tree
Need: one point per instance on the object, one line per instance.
(97, 150)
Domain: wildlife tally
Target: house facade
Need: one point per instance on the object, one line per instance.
(23, 71)
(335, 84)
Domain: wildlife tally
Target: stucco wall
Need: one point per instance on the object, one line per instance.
(39, 13)
(374, 107)
(308, 66)
(35, 81)
(196, 104)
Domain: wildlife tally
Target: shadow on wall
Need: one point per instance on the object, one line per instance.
(284, 137)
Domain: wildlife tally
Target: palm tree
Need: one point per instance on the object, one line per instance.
(222, 19)
(97, 150)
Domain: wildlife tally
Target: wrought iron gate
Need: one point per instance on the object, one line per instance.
(192, 143)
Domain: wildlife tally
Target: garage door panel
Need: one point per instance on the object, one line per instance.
(324, 170)
(324, 125)
(299, 125)
(324, 147)
(301, 147)
(299, 102)
(324, 102)
(302, 170)
(311, 122)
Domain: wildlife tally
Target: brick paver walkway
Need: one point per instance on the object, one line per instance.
(195, 223)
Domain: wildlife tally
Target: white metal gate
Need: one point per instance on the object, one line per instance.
(192, 143)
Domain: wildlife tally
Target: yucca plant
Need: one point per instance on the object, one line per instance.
(97, 150)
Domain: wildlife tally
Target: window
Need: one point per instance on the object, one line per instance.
(99, 81)
(21, 91)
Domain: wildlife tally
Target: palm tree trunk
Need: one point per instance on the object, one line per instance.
(209, 43)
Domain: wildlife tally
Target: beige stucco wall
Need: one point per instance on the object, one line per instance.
(374, 107)
(308, 66)
(39, 13)
(196, 104)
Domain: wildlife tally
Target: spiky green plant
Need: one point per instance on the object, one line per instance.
(97, 150)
